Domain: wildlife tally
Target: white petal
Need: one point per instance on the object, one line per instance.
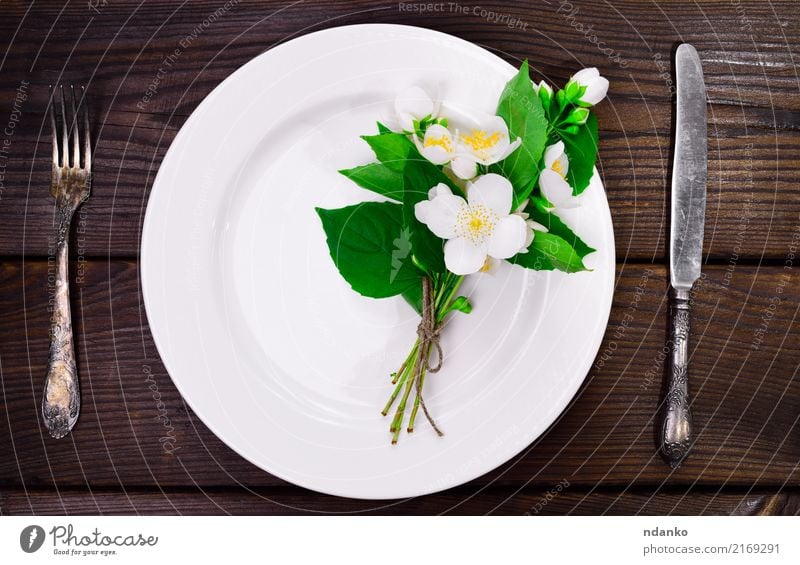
(595, 91)
(437, 146)
(439, 214)
(493, 191)
(563, 162)
(414, 102)
(552, 153)
(507, 151)
(569, 204)
(422, 211)
(494, 124)
(435, 154)
(391, 120)
(490, 127)
(554, 187)
(585, 76)
(461, 257)
(439, 189)
(529, 235)
(536, 226)
(438, 130)
(406, 121)
(508, 237)
(546, 87)
(464, 167)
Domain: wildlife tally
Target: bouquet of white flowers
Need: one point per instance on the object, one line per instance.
(459, 200)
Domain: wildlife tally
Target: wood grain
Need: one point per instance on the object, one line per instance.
(747, 398)
(754, 143)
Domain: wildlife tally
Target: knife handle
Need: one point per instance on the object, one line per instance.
(676, 428)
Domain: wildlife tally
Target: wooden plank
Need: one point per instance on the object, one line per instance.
(745, 383)
(753, 212)
(756, 49)
(754, 201)
(555, 501)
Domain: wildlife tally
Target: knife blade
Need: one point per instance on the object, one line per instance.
(689, 170)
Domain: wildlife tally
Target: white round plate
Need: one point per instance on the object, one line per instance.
(269, 345)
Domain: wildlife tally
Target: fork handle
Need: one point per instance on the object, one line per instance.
(61, 399)
(676, 429)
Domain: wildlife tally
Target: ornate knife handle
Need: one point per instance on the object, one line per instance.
(61, 401)
(676, 428)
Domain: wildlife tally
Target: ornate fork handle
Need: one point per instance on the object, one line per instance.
(61, 402)
(676, 429)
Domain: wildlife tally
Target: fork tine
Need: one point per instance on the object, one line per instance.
(64, 133)
(50, 104)
(87, 138)
(76, 146)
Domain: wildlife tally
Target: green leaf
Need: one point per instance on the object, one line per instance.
(386, 177)
(581, 149)
(460, 304)
(419, 177)
(522, 111)
(379, 178)
(391, 149)
(548, 252)
(539, 213)
(371, 248)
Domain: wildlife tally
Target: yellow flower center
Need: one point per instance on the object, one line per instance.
(441, 141)
(479, 141)
(558, 167)
(476, 223)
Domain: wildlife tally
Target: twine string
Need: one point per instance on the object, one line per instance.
(428, 332)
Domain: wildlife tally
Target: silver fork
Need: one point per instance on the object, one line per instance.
(70, 186)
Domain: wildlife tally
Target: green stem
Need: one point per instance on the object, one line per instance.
(402, 379)
(405, 363)
(443, 301)
(440, 312)
(445, 290)
(418, 398)
(397, 422)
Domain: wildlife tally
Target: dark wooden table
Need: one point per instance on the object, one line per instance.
(745, 354)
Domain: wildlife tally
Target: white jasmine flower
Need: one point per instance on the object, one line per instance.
(553, 178)
(485, 142)
(414, 104)
(596, 85)
(437, 145)
(481, 226)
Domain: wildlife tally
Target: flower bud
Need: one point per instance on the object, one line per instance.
(578, 116)
(589, 87)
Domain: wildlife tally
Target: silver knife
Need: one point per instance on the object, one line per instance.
(686, 244)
